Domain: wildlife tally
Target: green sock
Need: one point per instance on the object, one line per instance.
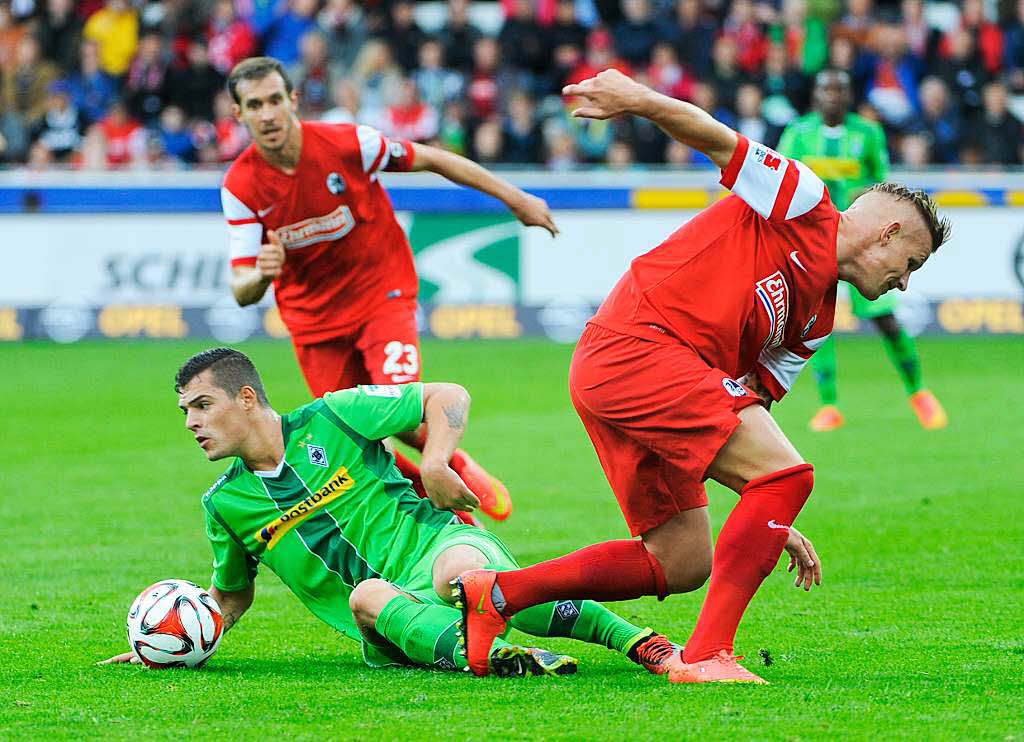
(424, 632)
(824, 364)
(583, 620)
(903, 353)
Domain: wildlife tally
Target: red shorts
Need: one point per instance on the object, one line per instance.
(657, 415)
(384, 350)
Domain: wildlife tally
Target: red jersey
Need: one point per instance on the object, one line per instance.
(345, 255)
(750, 282)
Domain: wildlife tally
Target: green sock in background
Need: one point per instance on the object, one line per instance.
(824, 364)
(902, 352)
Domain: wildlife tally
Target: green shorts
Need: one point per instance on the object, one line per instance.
(867, 309)
(418, 582)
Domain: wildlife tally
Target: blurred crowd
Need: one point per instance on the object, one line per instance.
(114, 83)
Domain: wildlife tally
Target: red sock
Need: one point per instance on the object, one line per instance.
(612, 570)
(747, 551)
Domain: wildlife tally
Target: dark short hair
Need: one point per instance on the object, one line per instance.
(255, 68)
(939, 227)
(231, 371)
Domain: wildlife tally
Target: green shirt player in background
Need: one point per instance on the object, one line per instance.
(849, 153)
(315, 496)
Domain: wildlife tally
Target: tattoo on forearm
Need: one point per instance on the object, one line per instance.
(231, 618)
(456, 414)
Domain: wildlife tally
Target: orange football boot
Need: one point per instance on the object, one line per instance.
(827, 418)
(928, 410)
(481, 621)
(722, 668)
(493, 495)
(656, 654)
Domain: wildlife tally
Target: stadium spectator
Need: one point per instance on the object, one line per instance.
(409, 117)
(522, 139)
(403, 35)
(342, 21)
(175, 139)
(437, 84)
(996, 133)
(987, 37)
(561, 151)
(123, 137)
(489, 78)
(843, 55)
(742, 28)
(488, 143)
(600, 55)
(691, 34)
(378, 79)
(524, 44)
(637, 33)
(666, 75)
(750, 120)
(60, 33)
(281, 39)
(452, 131)
(11, 34)
(459, 36)
(785, 89)
(91, 89)
(963, 72)
(922, 39)
(566, 29)
(25, 81)
(940, 121)
(893, 87)
(145, 85)
(231, 136)
(620, 155)
(194, 86)
(115, 29)
(347, 102)
(59, 129)
(229, 38)
(726, 75)
(314, 74)
(857, 24)
(805, 37)
(915, 150)
(1013, 49)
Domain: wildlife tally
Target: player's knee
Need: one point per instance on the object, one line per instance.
(685, 578)
(368, 599)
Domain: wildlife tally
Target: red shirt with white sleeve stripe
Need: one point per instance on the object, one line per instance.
(345, 254)
(750, 282)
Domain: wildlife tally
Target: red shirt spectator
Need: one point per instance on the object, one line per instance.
(600, 56)
(230, 39)
(125, 138)
(411, 118)
(988, 38)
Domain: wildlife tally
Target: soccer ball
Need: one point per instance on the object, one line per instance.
(174, 623)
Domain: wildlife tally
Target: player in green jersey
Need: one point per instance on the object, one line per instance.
(849, 153)
(315, 496)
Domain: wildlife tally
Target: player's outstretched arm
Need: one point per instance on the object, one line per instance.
(530, 210)
(232, 606)
(249, 282)
(610, 93)
(446, 412)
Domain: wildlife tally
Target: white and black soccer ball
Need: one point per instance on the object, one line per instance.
(174, 623)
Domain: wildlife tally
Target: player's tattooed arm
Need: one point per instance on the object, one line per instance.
(445, 411)
(753, 381)
(233, 604)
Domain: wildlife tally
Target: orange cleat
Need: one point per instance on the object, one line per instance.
(473, 592)
(827, 418)
(722, 668)
(493, 495)
(656, 654)
(928, 410)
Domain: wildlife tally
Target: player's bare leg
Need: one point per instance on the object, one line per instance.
(761, 464)
(492, 493)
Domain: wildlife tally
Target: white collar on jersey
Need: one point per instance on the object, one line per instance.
(273, 474)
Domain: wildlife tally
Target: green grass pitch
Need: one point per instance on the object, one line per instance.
(916, 632)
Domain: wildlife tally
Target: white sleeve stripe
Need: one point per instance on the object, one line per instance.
(816, 343)
(809, 190)
(784, 365)
(233, 208)
(244, 240)
(370, 144)
(757, 183)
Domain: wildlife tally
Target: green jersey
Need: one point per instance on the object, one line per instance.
(849, 157)
(335, 512)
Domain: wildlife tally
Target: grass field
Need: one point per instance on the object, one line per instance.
(918, 630)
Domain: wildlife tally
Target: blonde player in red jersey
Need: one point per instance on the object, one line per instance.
(306, 213)
(674, 376)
